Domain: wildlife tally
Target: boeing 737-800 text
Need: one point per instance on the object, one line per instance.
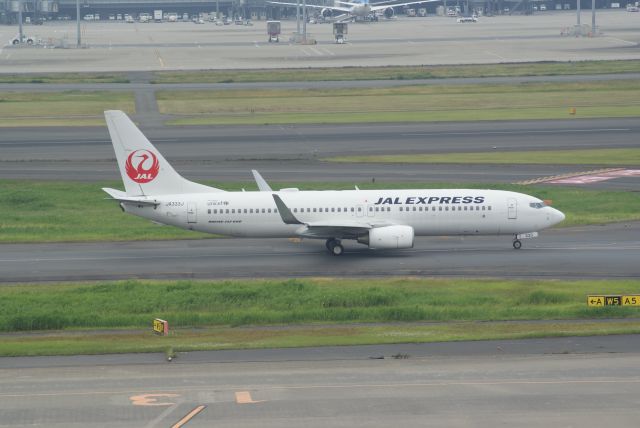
(380, 219)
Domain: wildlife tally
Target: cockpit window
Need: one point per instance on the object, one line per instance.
(537, 205)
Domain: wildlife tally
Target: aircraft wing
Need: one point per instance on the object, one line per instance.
(341, 229)
(122, 197)
(315, 6)
(380, 6)
(263, 186)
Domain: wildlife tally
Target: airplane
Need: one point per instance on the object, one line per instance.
(357, 9)
(379, 219)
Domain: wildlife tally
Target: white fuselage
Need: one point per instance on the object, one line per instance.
(361, 10)
(428, 212)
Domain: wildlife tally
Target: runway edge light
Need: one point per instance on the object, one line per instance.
(161, 327)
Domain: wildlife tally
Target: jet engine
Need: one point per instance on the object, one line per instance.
(388, 237)
(388, 13)
(326, 13)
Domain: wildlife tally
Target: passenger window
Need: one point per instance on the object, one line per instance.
(489, 208)
(208, 211)
(269, 210)
(295, 210)
(314, 210)
(483, 208)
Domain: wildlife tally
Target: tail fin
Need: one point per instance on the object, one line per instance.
(144, 170)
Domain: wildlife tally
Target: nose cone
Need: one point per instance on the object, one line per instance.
(556, 216)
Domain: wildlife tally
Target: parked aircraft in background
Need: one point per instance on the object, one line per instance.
(380, 219)
(355, 9)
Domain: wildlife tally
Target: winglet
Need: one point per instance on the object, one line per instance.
(263, 186)
(285, 212)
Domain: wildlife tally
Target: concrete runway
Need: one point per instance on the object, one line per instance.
(587, 382)
(292, 153)
(116, 46)
(606, 252)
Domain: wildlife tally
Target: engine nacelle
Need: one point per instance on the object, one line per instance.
(326, 13)
(389, 237)
(388, 13)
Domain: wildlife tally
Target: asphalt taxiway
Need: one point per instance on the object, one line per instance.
(295, 153)
(587, 382)
(606, 252)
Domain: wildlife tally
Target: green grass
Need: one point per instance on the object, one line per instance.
(614, 157)
(69, 108)
(43, 211)
(247, 338)
(309, 312)
(63, 78)
(399, 72)
(404, 104)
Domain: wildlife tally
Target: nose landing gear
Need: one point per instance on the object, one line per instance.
(517, 244)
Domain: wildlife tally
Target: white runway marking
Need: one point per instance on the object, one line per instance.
(496, 55)
(544, 131)
(608, 38)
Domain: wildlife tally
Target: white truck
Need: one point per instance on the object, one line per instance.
(157, 15)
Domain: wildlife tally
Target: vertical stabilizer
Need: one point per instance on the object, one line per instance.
(143, 168)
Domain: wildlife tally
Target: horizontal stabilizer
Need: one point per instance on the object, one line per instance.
(122, 197)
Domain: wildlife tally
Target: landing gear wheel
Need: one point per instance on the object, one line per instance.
(330, 243)
(335, 247)
(517, 244)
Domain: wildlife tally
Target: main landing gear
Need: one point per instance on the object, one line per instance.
(517, 244)
(335, 247)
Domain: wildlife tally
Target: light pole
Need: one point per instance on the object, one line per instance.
(304, 20)
(593, 18)
(298, 17)
(578, 11)
(20, 34)
(78, 21)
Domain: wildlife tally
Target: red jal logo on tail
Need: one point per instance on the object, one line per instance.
(146, 166)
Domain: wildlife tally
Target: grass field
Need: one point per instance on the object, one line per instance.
(399, 73)
(64, 78)
(42, 211)
(70, 108)
(261, 313)
(615, 157)
(404, 104)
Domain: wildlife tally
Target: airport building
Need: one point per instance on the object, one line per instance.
(35, 11)
(112, 9)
